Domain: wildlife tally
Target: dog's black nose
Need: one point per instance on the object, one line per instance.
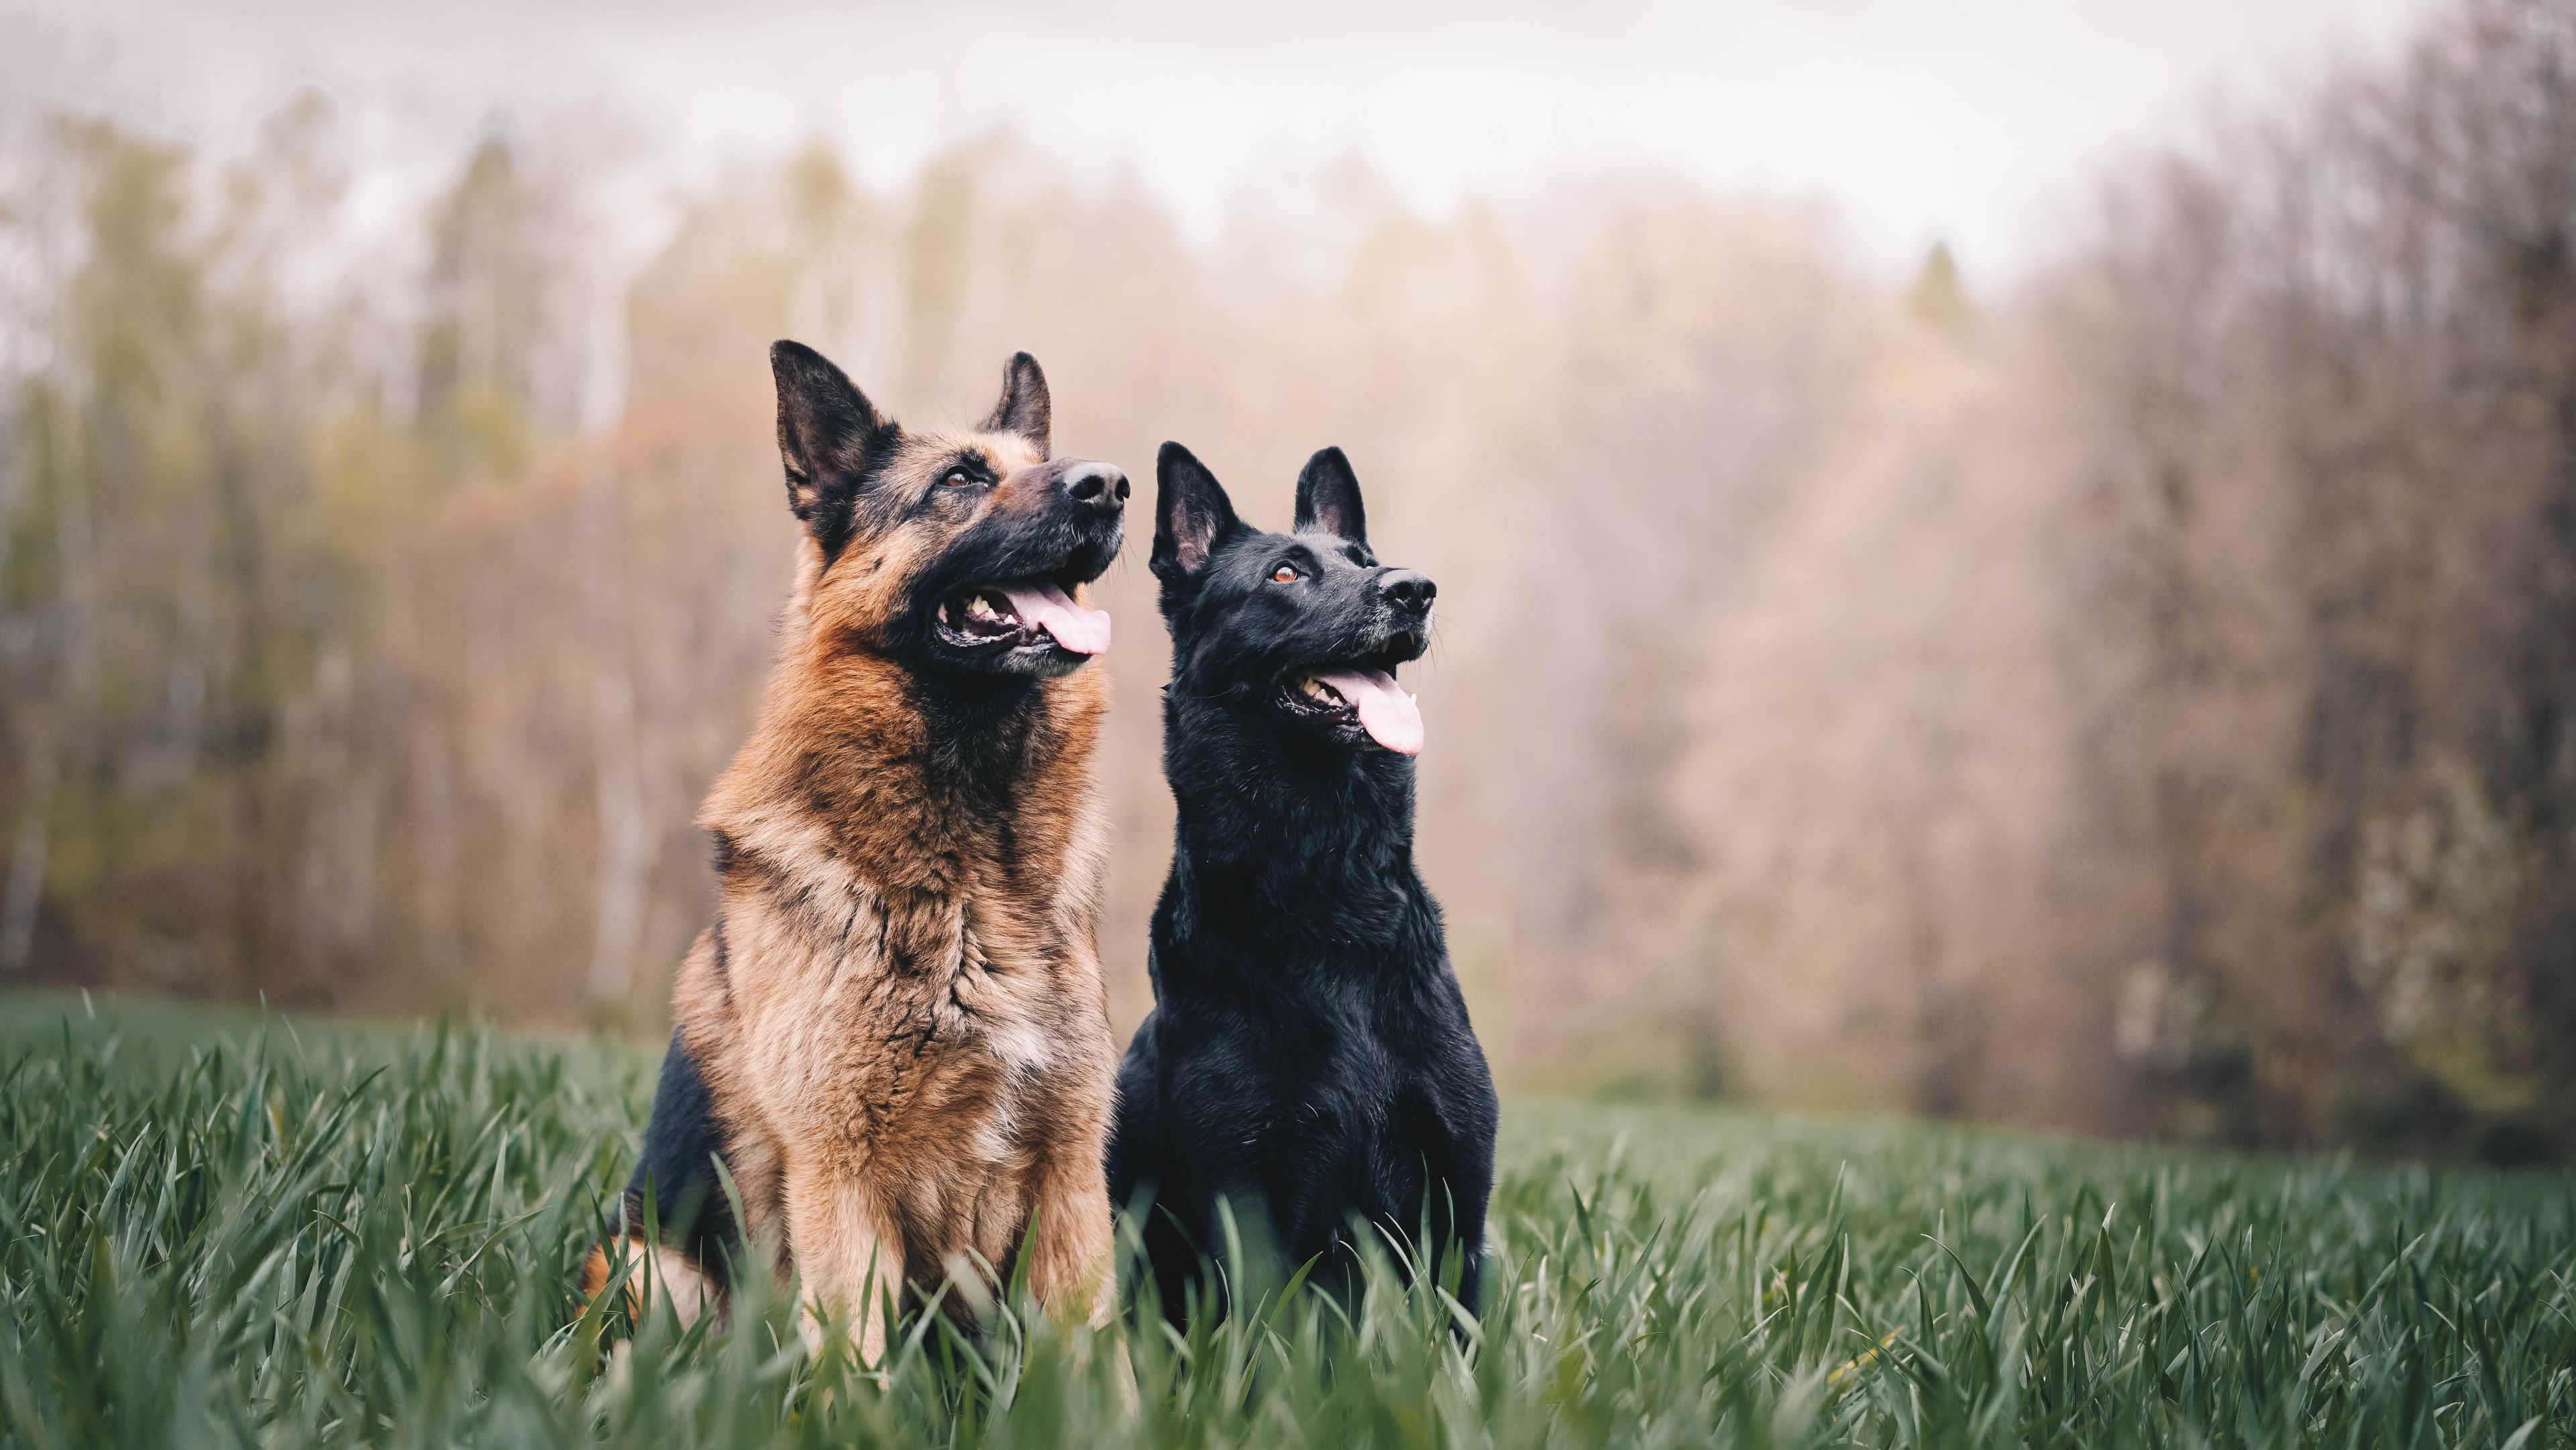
(1407, 589)
(1097, 484)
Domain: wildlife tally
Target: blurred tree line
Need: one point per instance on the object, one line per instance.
(2143, 702)
(2336, 382)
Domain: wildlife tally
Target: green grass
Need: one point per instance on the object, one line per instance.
(214, 1231)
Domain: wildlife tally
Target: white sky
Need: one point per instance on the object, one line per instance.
(1979, 121)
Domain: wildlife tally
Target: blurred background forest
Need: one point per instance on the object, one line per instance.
(2139, 699)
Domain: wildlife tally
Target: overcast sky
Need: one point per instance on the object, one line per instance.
(1978, 121)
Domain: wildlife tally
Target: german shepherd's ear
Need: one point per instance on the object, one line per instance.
(1024, 408)
(829, 437)
(1192, 515)
(1328, 497)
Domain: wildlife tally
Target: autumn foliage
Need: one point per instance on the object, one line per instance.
(2142, 700)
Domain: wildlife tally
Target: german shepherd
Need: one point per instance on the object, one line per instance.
(1308, 1058)
(895, 1035)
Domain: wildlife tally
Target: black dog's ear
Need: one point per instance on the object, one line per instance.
(1024, 408)
(1328, 497)
(829, 435)
(1192, 515)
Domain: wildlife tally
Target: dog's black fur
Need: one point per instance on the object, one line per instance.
(1309, 1057)
(677, 1169)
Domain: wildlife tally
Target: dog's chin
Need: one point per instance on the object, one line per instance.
(1041, 660)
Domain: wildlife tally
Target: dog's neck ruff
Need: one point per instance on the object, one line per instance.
(1306, 854)
(1243, 784)
(861, 776)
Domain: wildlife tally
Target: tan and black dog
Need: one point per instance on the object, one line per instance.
(895, 1035)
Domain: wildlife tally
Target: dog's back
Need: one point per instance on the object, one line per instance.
(1309, 1058)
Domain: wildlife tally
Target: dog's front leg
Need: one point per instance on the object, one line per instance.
(1072, 1252)
(1072, 1268)
(847, 1253)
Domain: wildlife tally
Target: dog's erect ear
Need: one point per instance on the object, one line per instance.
(828, 436)
(1024, 408)
(1192, 515)
(1328, 497)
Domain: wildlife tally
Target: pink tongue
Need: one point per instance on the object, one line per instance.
(1083, 631)
(1389, 715)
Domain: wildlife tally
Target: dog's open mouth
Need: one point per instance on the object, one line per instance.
(1362, 695)
(1015, 614)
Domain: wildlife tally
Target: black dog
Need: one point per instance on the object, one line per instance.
(1308, 1059)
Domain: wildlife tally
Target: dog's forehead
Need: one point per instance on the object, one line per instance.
(1253, 547)
(1003, 453)
(1333, 548)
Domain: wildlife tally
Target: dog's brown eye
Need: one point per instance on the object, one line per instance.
(958, 478)
(1284, 574)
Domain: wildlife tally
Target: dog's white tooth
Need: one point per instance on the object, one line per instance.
(981, 606)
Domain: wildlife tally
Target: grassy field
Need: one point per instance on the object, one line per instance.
(216, 1230)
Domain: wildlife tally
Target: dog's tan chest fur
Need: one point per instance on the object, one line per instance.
(850, 1026)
